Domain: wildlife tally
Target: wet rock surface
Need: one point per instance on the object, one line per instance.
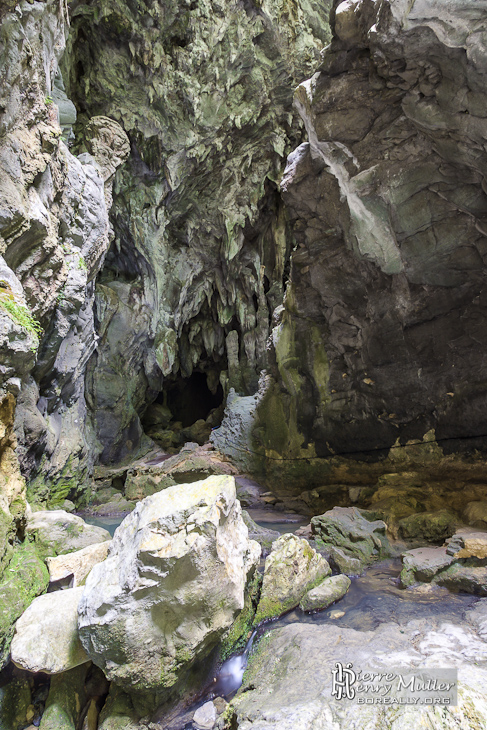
(326, 593)
(289, 681)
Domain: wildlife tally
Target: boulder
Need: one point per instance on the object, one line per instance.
(428, 526)
(58, 532)
(78, 564)
(173, 583)
(351, 538)
(326, 593)
(205, 716)
(422, 564)
(46, 635)
(25, 578)
(291, 569)
(475, 513)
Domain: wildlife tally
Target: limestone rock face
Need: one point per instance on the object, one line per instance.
(202, 240)
(54, 234)
(380, 343)
(46, 635)
(291, 569)
(57, 532)
(173, 582)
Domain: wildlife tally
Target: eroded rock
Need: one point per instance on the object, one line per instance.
(173, 582)
(352, 540)
(326, 593)
(77, 565)
(57, 532)
(292, 568)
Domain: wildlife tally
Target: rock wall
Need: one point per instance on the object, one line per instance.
(381, 342)
(201, 237)
(54, 234)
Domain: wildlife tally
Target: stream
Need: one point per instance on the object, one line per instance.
(374, 598)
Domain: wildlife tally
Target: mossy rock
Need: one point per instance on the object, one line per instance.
(65, 700)
(292, 569)
(25, 578)
(432, 527)
(15, 698)
(58, 532)
(240, 631)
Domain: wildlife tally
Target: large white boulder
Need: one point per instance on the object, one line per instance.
(173, 582)
(46, 635)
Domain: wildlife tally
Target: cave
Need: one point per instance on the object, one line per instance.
(190, 399)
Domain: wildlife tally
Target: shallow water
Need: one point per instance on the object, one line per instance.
(109, 523)
(375, 598)
(280, 522)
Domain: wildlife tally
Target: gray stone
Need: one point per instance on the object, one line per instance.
(288, 682)
(173, 582)
(205, 716)
(57, 532)
(326, 593)
(352, 540)
(291, 569)
(46, 635)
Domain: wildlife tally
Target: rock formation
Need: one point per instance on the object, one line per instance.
(172, 584)
(381, 342)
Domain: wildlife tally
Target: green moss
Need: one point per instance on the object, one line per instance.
(25, 577)
(241, 628)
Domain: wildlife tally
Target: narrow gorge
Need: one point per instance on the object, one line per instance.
(243, 359)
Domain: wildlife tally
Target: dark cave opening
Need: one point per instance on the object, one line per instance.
(185, 410)
(190, 399)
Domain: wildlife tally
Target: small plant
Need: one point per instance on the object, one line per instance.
(82, 264)
(48, 100)
(61, 296)
(20, 314)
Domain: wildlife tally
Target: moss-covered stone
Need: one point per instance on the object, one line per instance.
(25, 578)
(240, 631)
(65, 700)
(15, 698)
(429, 526)
(292, 569)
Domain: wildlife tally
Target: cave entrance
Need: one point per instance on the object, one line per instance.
(185, 410)
(190, 399)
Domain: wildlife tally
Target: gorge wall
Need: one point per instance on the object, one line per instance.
(378, 358)
(171, 221)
